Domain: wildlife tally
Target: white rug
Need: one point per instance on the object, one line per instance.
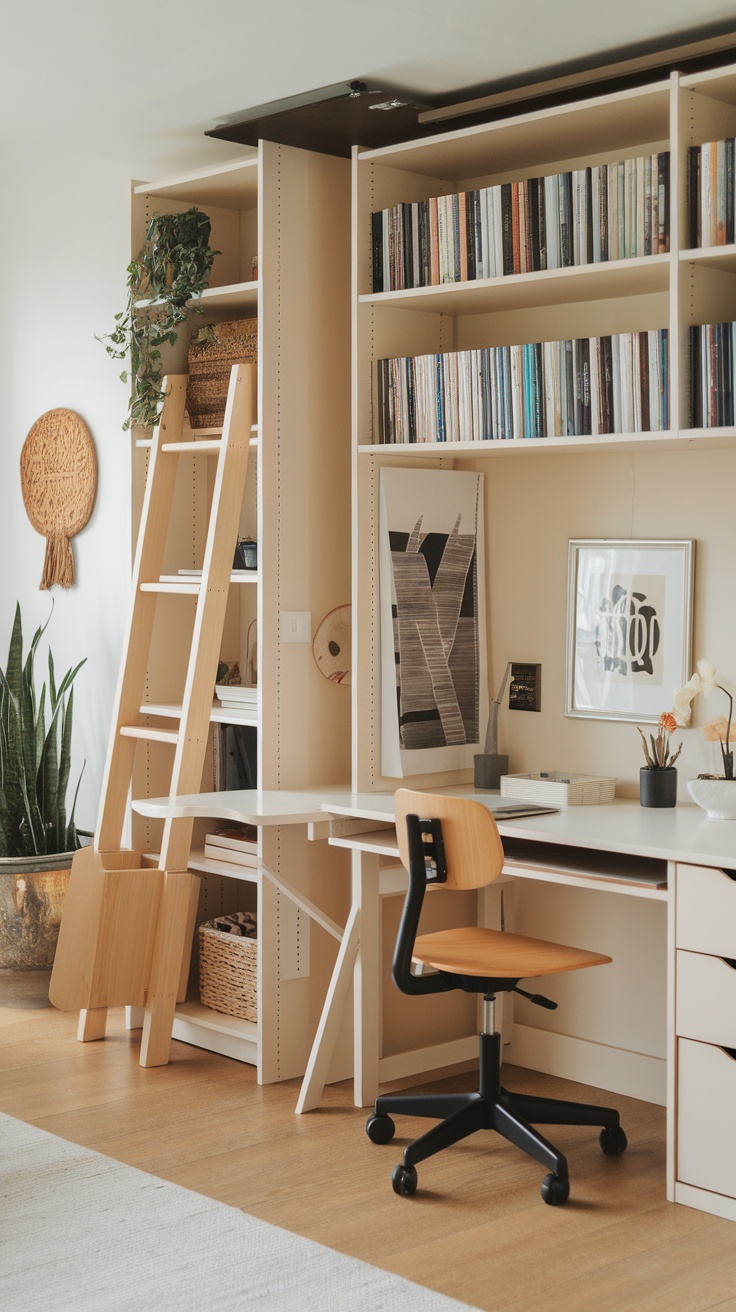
(81, 1231)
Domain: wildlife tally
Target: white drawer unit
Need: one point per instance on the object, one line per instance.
(706, 998)
(706, 1094)
(706, 910)
(705, 1026)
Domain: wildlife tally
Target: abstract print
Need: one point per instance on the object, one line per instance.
(430, 560)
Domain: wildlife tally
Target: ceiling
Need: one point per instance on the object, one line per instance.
(142, 80)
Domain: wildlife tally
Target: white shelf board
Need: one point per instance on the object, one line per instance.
(208, 1029)
(232, 185)
(237, 296)
(685, 439)
(616, 121)
(218, 715)
(714, 257)
(584, 282)
(186, 582)
(232, 869)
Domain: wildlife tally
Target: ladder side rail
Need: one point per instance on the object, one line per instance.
(155, 515)
(222, 533)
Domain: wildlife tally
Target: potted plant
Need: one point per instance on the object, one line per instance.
(716, 793)
(658, 778)
(37, 836)
(171, 271)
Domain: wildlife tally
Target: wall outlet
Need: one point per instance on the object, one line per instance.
(296, 625)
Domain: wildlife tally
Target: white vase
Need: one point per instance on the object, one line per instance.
(716, 796)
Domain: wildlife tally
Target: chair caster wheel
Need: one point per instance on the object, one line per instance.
(404, 1180)
(612, 1140)
(555, 1190)
(380, 1129)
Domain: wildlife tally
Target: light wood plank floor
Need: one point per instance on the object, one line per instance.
(477, 1229)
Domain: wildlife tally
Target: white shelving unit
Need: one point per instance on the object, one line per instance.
(660, 291)
(290, 210)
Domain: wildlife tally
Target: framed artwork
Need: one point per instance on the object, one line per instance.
(434, 684)
(629, 623)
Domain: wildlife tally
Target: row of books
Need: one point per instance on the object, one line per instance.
(586, 216)
(710, 192)
(589, 385)
(712, 357)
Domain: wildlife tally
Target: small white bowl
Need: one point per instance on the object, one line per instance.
(716, 796)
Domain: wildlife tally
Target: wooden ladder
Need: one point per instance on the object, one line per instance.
(127, 927)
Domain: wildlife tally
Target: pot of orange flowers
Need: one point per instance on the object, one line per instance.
(658, 778)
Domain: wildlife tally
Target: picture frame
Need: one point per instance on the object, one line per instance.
(629, 626)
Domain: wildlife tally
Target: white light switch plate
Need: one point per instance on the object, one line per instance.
(296, 625)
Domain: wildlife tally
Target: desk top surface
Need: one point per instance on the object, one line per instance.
(681, 833)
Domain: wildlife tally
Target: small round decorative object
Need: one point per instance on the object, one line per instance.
(332, 645)
(58, 473)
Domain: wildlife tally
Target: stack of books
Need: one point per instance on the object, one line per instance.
(236, 696)
(712, 355)
(236, 843)
(586, 216)
(710, 193)
(589, 385)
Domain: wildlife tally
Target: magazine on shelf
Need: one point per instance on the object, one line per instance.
(236, 695)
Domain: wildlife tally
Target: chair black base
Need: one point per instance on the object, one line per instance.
(492, 1108)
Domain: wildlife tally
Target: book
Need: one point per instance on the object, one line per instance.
(236, 843)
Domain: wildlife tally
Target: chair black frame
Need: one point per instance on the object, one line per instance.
(490, 1107)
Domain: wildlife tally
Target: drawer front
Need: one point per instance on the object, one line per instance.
(706, 1097)
(706, 910)
(706, 999)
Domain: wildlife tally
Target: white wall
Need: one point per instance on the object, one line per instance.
(534, 505)
(64, 248)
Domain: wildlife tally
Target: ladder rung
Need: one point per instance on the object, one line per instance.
(192, 587)
(151, 735)
(193, 448)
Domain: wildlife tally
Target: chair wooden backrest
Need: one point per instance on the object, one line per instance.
(472, 843)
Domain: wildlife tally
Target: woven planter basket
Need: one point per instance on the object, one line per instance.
(210, 363)
(228, 971)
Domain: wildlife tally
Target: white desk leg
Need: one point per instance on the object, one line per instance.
(367, 995)
(332, 1014)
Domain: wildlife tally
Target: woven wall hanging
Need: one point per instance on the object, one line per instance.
(58, 474)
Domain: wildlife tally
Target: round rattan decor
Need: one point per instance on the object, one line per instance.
(58, 475)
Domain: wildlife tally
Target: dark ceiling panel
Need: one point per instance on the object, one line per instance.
(332, 120)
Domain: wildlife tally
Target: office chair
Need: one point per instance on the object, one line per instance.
(454, 842)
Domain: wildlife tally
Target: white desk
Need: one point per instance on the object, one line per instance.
(619, 848)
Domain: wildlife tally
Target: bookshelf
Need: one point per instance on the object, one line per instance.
(289, 210)
(669, 292)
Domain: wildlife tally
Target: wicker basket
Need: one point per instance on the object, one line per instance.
(228, 970)
(210, 362)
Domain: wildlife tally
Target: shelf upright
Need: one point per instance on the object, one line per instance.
(288, 210)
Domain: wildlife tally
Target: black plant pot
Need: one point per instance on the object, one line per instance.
(658, 787)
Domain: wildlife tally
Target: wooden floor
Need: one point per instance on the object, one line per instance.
(476, 1230)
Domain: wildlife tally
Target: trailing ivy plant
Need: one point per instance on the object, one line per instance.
(171, 271)
(35, 754)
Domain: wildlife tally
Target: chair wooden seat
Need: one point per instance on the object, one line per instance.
(473, 950)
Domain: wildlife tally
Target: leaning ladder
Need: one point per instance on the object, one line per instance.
(127, 928)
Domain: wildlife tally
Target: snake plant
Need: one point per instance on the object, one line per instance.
(35, 754)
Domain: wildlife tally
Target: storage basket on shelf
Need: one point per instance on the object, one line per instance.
(228, 952)
(213, 351)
